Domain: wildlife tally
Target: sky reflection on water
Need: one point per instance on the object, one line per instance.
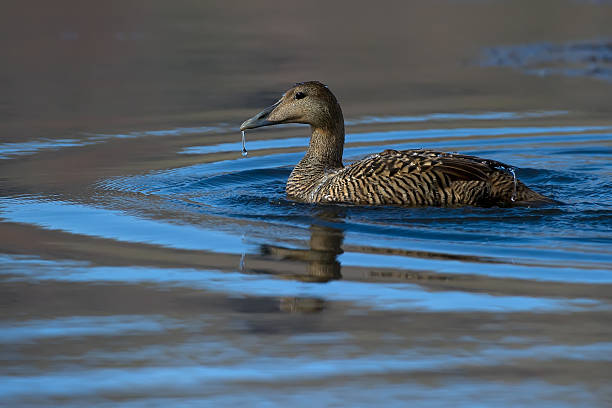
(376, 295)
(81, 326)
(184, 379)
(550, 134)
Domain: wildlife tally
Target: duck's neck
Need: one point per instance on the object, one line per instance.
(324, 156)
(326, 146)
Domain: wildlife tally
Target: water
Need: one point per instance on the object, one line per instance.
(514, 185)
(244, 150)
(144, 262)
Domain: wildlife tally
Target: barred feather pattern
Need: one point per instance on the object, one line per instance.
(411, 178)
(406, 178)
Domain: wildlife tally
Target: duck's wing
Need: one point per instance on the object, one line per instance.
(395, 163)
(414, 177)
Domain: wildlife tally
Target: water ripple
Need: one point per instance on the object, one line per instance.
(380, 296)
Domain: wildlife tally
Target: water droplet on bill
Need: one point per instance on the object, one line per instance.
(244, 150)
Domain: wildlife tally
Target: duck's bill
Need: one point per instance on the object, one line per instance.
(261, 119)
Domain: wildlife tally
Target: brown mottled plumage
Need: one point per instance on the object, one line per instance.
(407, 178)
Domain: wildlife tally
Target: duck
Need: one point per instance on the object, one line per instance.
(409, 178)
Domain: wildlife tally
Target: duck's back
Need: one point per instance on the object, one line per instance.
(424, 178)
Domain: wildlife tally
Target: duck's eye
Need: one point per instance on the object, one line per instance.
(300, 95)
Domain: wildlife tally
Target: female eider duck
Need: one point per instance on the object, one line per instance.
(392, 177)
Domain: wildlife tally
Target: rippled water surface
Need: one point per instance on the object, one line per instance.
(145, 262)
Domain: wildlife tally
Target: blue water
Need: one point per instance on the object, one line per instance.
(273, 263)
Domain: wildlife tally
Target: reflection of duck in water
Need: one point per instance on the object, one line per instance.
(321, 257)
(408, 177)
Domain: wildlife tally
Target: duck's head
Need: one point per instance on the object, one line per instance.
(310, 103)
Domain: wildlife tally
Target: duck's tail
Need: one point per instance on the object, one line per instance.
(527, 197)
(508, 191)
